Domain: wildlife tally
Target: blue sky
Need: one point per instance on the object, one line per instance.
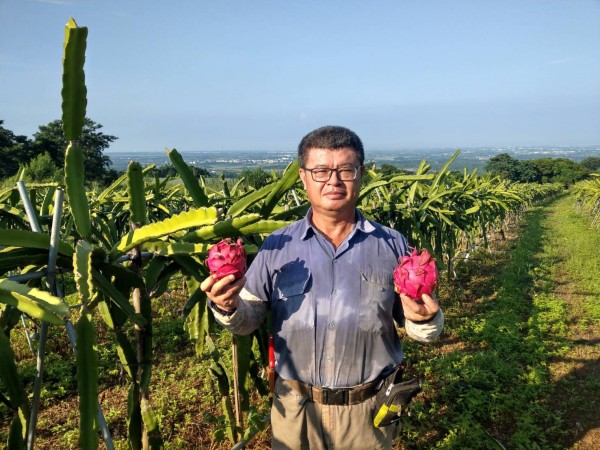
(258, 75)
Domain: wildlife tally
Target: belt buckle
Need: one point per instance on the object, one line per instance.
(335, 396)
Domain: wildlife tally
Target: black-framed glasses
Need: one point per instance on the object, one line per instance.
(322, 174)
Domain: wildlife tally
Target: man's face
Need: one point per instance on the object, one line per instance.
(333, 195)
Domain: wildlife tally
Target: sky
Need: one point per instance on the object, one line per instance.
(206, 75)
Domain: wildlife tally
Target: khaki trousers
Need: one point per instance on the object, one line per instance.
(300, 424)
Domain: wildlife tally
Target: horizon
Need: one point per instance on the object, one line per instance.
(384, 150)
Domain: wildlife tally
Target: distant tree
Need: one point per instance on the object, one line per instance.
(503, 165)
(545, 167)
(169, 170)
(568, 172)
(591, 163)
(388, 169)
(559, 170)
(528, 173)
(14, 150)
(256, 178)
(230, 174)
(41, 168)
(50, 139)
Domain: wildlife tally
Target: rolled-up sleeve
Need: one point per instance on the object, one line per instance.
(249, 315)
(428, 331)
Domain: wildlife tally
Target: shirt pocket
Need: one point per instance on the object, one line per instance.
(290, 284)
(291, 304)
(377, 298)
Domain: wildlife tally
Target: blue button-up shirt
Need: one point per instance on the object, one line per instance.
(333, 309)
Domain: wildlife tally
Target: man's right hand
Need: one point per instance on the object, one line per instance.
(225, 292)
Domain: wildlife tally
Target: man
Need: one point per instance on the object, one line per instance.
(328, 280)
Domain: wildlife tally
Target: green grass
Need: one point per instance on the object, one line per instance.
(576, 247)
(489, 379)
(572, 245)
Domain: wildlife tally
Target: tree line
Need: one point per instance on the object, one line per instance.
(542, 170)
(44, 155)
(43, 158)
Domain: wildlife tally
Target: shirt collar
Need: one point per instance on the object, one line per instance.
(362, 224)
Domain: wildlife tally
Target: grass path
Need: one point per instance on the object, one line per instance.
(517, 366)
(573, 247)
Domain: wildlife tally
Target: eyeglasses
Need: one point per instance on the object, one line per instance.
(322, 174)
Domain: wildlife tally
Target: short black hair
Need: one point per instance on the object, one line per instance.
(330, 137)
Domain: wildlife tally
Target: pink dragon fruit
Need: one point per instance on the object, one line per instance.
(226, 258)
(416, 274)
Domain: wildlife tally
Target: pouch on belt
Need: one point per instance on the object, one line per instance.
(392, 396)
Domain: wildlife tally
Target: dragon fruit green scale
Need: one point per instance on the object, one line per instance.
(227, 258)
(416, 274)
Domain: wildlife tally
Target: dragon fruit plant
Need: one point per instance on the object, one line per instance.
(227, 258)
(416, 274)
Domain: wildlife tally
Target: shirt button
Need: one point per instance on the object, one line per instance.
(332, 325)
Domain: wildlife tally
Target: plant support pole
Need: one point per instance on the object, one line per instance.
(27, 334)
(236, 387)
(35, 227)
(51, 280)
(54, 240)
(51, 284)
(37, 384)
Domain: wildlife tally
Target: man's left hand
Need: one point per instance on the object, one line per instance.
(422, 309)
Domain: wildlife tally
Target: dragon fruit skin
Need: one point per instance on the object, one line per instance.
(416, 274)
(227, 258)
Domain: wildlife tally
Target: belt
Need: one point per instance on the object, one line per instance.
(340, 396)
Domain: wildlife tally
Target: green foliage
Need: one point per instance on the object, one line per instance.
(75, 187)
(87, 380)
(93, 142)
(389, 169)
(446, 213)
(41, 168)
(14, 150)
(505, 166)
(169, 170)
(591, 163)
(74, 90)
(492, 389)
(587, 195)
(190, 182)
(527, 172)
(560, 170)
(256, 178)
(542, 170)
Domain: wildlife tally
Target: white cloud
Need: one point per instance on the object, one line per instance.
(560, 61)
